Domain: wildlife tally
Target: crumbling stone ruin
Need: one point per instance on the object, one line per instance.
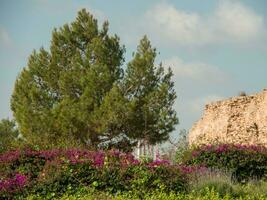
(238, 120)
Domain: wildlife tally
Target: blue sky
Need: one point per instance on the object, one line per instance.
(216, 48)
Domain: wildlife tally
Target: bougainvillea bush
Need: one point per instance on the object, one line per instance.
(52, 173)
(55, 172)
(243, 161)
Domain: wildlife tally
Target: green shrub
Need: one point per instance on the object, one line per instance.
(243, 161)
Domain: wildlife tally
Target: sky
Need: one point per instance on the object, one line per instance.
(216, 48)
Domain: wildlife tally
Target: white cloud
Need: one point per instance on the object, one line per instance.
(230, 22)
(197, 71)
(238, 21)
(169, 22)
(4, 38)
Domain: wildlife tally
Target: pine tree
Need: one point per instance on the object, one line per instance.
(151, 95)
(78, 91)
(59, 91)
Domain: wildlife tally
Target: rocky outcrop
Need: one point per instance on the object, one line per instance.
(241, 120)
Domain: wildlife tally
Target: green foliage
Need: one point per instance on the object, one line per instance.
(160, 178)
(78, 91)
(151, 94)
(138, 179)
(243, 161)
(8, 134)
(210, 194)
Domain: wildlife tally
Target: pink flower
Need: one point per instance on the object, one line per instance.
(10, 156)
(158, 162)
(10, 185)
(192, 169)
(195, 153)
(221, 148)
(20, 180)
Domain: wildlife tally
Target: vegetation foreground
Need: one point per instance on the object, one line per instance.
(81, 93)
(208, 172)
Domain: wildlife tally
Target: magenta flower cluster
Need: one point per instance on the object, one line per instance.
(192, 169)
(10, 156)
(74, 156)
(184, 169)
(159, 162)
(13, 184)
(43, 164)
(97, 159)
(222, 148)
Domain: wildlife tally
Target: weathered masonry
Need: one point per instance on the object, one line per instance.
(238, 120)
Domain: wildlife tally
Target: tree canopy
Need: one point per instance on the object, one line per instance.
(79, 91)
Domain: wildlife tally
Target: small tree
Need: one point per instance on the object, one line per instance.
(8, 134)
(182, 146)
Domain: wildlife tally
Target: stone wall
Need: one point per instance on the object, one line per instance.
(239, 120)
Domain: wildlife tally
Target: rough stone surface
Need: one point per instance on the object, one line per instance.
(238, 120)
